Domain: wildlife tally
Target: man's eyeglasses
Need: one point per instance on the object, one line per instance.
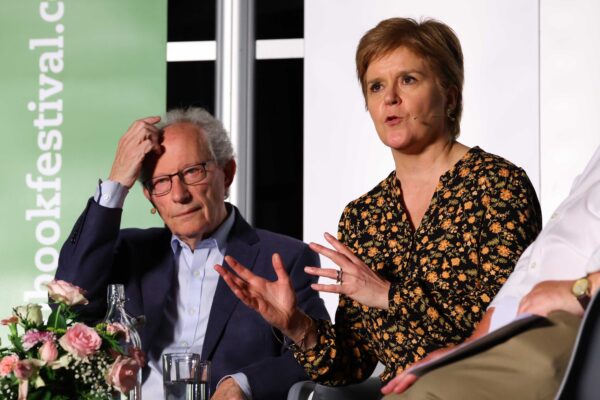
(161, 185)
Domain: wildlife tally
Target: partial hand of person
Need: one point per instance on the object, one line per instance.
(274, 301)
(549, 296)
(140, 139)
(355, 279)
(406, 379)
(228, 390)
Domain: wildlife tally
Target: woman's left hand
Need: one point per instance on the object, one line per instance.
(406, 379)
(354, 279)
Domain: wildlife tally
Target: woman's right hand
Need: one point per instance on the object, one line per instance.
(274, 301)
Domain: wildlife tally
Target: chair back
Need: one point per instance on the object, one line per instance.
(367, 390)
(581, 380)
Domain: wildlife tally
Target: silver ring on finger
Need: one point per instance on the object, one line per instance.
(339, 276)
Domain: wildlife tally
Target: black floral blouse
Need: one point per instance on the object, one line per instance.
(482, 216)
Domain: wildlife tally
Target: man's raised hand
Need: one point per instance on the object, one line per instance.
(140, 139)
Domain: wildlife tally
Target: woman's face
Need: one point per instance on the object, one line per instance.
(406, 101)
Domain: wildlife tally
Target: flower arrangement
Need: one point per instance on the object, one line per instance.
(63, 358)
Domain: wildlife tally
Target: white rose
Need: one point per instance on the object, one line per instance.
(32, 313)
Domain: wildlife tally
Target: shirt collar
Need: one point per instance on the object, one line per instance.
(217, 239)
(392, 183)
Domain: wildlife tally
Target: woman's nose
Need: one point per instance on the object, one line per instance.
(392, 96)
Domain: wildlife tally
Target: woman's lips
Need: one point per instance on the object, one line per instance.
(393, 120)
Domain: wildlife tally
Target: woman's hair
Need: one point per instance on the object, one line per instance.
(434, 41)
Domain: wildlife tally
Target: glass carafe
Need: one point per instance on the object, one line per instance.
(118, 320)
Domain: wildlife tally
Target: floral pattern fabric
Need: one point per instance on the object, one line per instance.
(443, 275)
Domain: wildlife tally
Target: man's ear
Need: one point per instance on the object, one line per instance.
(147, 194)
(153, 210)
(229, 170)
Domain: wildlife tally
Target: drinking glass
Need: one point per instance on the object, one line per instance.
(185, 377)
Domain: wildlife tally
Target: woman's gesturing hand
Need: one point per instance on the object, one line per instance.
(274, 301)
(354, 279)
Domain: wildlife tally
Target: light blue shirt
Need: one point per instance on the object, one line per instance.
(186, 321)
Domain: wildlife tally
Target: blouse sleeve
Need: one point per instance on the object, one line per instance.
(341, 356)
(510, 219)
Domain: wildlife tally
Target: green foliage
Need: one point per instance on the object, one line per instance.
(111, 342)
(13, 337)
(57, 319)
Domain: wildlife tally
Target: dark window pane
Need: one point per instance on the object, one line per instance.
(278, 146)
(191, 20)
(191, 83)
(277, 19)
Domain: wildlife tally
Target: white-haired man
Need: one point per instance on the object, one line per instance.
(186, 165)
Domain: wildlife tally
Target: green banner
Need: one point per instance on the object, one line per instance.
(74, 75)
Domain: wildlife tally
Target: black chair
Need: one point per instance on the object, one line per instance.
(367, 390)
(582, 378)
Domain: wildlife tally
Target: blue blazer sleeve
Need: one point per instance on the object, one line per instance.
(87, 256)
(271, 378)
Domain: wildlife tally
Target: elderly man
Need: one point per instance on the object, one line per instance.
(186, 166)
(556, 277)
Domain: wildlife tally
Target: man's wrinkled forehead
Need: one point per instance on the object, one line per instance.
(198, 139)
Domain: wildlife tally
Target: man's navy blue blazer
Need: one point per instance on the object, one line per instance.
(98, 252)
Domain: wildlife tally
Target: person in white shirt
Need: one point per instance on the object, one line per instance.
(556, 276)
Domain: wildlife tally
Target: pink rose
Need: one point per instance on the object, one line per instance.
(23, 371)
(80, 340)
(122, 375)
(138, 355)
(25, 368)
(117, 328)
(48, 352)
(7, 364)
(64, 292)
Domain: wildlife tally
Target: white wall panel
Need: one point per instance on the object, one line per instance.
(343, 156)
(570, 93)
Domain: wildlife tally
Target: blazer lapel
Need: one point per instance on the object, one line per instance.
(241, 245)
(156, 284)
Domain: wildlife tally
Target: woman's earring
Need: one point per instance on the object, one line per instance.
(153, 210)
(450, 114)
